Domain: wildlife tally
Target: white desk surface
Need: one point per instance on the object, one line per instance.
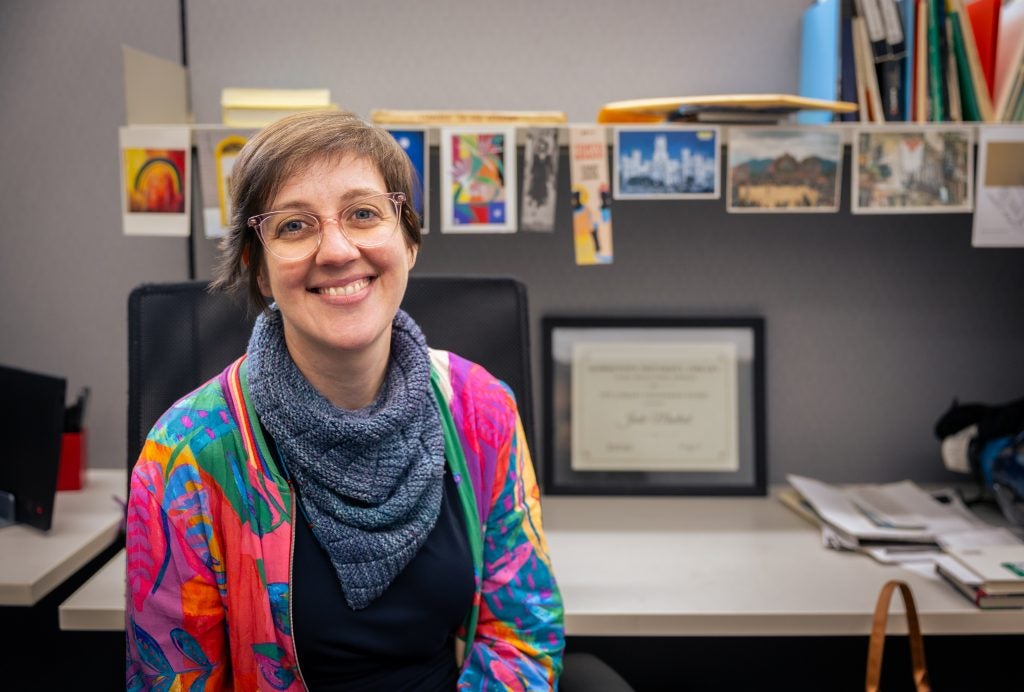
(99, 603)
(686, 566)
(673, 566)
(84, 523)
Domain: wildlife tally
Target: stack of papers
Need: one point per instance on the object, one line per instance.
(891, 522)
(260, 107)
(899, 523)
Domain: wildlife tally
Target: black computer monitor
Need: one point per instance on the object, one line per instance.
(31, 426)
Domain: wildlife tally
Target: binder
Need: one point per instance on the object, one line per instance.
(936, 69)
(984, 16)
(888, 50)
(868, 98)
(977, 75)
(909, 19)
(847, 61)
(819, 58)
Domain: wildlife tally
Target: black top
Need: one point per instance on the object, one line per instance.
(404, 640)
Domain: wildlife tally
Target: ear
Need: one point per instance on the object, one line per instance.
(263, 282)
(413, 253)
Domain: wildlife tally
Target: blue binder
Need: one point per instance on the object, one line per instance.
(819, 58)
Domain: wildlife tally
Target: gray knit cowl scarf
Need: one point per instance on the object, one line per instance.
(371, 480)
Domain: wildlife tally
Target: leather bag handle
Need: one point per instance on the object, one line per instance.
(876, 645)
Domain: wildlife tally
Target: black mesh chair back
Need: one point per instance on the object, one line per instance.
(180, 335)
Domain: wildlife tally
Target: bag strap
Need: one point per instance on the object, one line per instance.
(876, 645)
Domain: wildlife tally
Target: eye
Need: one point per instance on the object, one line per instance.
(293, 225)
(364, 214)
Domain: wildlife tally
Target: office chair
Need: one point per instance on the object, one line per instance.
(180, 335)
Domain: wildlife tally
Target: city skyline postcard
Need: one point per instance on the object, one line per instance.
(913, 170)
(677, 162)
(794, 170)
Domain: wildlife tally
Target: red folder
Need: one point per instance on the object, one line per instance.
(984, 15)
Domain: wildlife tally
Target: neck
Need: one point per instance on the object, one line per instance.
(350, 381)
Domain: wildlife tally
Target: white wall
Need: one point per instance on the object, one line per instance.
(873, 323)
(65, 267)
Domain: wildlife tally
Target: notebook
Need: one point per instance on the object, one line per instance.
(31, 426)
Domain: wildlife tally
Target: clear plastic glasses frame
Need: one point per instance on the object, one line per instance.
(295, 235)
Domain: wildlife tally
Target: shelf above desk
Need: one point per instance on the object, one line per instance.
(84, 523)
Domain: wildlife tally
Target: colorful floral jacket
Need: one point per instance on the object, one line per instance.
(209, 544)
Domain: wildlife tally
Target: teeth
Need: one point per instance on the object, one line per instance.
(348, 290)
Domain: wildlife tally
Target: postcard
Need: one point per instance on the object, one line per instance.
(904, 170)
(217, 150)
(478, 179)
(155, 180)
(416, 144)
(999, 208)
(540, 175)
(678, 162)
(591, 195)
(784, 170)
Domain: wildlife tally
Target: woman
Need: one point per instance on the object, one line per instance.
(341, 508)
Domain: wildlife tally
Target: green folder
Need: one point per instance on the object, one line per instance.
(968, 95)
(936, 84)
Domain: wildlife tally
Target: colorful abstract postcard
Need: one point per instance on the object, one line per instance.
(999, 209)
(591, 195)
(784, 170)
(540, 175)
(925, 169)
(478, 179)
(417, 145)
(155, 180)
(217, 150)
(680, 162)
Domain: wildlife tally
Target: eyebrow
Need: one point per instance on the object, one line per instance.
(352, 195)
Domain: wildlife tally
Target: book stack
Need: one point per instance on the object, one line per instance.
(917, 60)
(991, 576)
(260, 107)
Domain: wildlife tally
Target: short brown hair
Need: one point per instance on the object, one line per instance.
(279, 151)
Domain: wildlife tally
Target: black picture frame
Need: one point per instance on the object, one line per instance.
(652, 378)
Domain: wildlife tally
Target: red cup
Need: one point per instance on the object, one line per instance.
(71, 473)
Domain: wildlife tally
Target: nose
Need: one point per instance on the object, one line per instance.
(334, 244)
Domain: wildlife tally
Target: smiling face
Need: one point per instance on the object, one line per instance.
(338, 304)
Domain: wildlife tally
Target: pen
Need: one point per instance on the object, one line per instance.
(75, 414)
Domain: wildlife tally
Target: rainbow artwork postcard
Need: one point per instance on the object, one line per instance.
(155, 180)
(478, 178)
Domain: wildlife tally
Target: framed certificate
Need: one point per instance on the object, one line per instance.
(654, 406)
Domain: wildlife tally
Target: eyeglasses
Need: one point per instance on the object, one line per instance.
(295, 235)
